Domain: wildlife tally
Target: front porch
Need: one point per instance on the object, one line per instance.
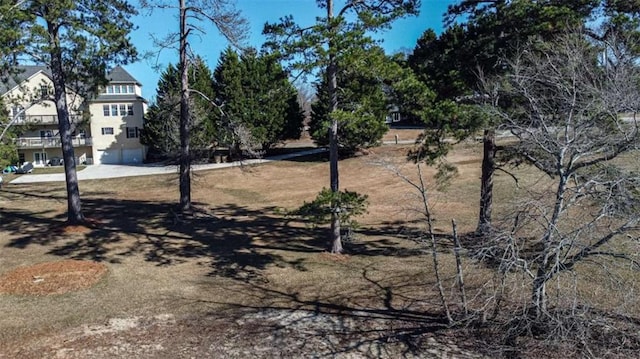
(42, 156)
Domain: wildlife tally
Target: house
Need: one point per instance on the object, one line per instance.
(105, 129)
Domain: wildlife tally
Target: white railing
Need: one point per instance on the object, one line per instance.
(48, 142)
(42, 119)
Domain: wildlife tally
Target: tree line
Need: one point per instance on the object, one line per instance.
(247, 103)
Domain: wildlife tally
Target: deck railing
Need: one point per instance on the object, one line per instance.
(42, 120)
(50, 142)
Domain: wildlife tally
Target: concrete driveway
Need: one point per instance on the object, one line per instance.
(113, 171)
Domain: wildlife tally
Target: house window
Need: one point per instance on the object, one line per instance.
(114, 110)
(133, 132)
(105, 110)
(107, 130)
(130, 110)
(78, 133)
(44, 91)
(123, 110)
(117, 88)
(109, 89)
(130, 89)
(21, 158)
(46, 133)
(17, 112)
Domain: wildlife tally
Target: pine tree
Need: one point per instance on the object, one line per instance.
(334, 44)
(255, 94)
(79, 41)
(162, 121)
(479, 37)
(366, 94)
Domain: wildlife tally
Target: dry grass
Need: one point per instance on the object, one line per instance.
(239, 254)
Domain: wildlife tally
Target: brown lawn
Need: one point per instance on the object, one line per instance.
(239, 278)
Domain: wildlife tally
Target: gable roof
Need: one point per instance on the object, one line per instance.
(120, 75)
(24, 73)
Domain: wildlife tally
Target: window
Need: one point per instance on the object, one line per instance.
(44, 91)
(46, 133)
(79, 134)
(107, 130)
(119, 89)
(21, 158)
(133, 132)
(17, 112)
(117, 109)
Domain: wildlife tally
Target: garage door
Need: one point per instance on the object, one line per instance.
(109, 157)
(132, 155)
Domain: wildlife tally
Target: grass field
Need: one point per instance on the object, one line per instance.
(240, 278)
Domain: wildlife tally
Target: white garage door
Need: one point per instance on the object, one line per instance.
(132, 155)
(109, 157)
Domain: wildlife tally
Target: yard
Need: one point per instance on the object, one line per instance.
(241, 278)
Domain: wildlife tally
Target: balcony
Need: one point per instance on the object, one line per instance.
(50, 142)
(42, 120)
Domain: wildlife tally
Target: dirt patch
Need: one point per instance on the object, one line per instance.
(246, 333)
(88, 225)
(52, 277)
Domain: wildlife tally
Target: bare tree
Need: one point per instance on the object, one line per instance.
(306, 97)
(192, 14)
(574, 116)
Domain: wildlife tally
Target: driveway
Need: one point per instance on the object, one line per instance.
(113, 171)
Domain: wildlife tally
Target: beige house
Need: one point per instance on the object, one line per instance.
(106, 129)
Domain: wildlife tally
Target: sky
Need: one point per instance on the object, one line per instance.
(403, 34)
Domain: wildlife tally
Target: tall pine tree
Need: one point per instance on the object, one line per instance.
(332, 44)
(79, 40)
(478, 37)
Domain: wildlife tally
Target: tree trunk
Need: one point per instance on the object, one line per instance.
(336, 240)
(185, 120)
(543, 273)
(74, 207)
(486, 182)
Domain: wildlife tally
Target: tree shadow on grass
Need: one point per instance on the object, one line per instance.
(374, 317)
(238, 242)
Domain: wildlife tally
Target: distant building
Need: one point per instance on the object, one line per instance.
(394, 115)
(106, 129)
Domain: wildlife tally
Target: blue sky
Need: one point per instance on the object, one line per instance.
(403, 33)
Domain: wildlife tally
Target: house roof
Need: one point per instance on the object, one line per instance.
(117, 75)
(23, 74)
(120, 75)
